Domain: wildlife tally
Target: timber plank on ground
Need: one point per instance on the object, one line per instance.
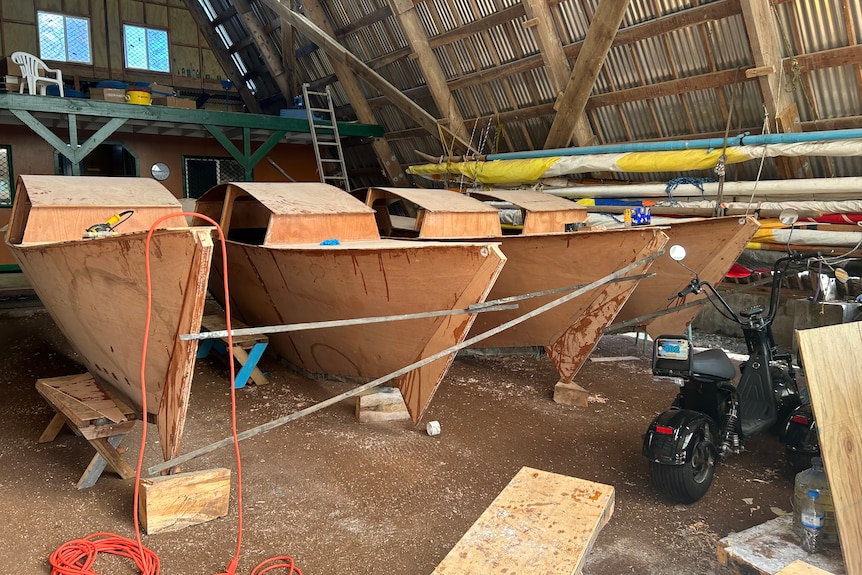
(540, 523)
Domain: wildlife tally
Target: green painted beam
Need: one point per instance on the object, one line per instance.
(265, 147)
(228, 146)
(83, 107)
(28, 120)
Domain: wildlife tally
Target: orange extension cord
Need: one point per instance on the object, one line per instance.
(78, 556)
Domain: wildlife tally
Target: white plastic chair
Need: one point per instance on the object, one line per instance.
(30, 66)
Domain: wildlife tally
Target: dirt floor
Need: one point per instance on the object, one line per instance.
(343, 498)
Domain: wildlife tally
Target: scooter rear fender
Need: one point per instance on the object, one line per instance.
(670, 437)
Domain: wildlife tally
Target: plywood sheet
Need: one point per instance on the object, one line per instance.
(540, 523)
(833, 366)
(770, 547)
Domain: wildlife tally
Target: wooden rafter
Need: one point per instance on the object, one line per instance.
(385, 156)
(597, 44)
(207, 28)
(434, 78)
(555, 60)
(337, 53)
(265, 46)
(764, 38)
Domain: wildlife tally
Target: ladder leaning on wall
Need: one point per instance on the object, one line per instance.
(324, 135)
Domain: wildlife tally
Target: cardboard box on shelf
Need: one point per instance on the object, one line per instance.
(8, 67)
(174, 102)
(13, 83)
(108, 95)
(219, 106)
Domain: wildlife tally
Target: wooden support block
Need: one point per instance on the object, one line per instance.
(381, 404)
(568, 393)
(769, 547)
(540, 523)
(759, 71)
(173, 502)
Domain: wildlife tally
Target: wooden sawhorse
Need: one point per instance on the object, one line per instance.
(247, 349)
(90, 412)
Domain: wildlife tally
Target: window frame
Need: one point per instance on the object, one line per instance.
(217, 159)
(65, 17)
(146, 29)
(10, 177)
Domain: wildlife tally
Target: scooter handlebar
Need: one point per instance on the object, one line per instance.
(693, 287)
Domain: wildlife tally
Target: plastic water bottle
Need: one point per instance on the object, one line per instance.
(812, 518)
(815, 479)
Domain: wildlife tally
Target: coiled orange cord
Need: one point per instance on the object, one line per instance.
(77, 557)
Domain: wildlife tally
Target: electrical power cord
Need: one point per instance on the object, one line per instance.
(78, 556)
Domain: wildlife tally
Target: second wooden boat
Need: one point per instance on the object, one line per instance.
(542, 256)
(309, 252)
(712, 246)
(95, 288)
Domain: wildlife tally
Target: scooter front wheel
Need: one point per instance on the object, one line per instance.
(688, 482)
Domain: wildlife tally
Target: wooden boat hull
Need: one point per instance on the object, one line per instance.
(96, 292)
(542, 256)
(538, 263)
(712, 246)
(96, 288)
(297, 283)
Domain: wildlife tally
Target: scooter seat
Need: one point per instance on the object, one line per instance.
(712, 365)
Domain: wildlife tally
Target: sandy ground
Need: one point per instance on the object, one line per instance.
(343, 498)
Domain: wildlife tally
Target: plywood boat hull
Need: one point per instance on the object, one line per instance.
(290, 285)
(712, 246)
(570, 332)
(543, 257)
(96, 290)
(276, 278)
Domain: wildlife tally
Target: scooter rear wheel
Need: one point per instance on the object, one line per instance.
(689, 482)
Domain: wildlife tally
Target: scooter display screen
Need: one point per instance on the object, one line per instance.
(672, 349)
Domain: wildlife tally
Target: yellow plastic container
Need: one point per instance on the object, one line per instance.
(141, 97)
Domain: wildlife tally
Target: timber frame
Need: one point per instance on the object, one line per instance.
(102, 119)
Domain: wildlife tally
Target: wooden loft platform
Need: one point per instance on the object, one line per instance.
(46, 114)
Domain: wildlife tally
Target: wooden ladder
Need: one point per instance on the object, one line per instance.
(324, 134)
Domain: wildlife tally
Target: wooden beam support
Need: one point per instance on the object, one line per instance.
(353, 65)
(764, 38)
(267, 49)
(207, 29)
(597, 44)
(555, 60)
(435, 80)
(385, 156)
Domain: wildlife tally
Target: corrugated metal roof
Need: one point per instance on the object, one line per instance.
(492, 60)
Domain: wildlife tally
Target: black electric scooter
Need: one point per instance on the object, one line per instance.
(710, 419)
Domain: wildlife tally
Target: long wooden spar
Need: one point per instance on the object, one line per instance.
(617, 275)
